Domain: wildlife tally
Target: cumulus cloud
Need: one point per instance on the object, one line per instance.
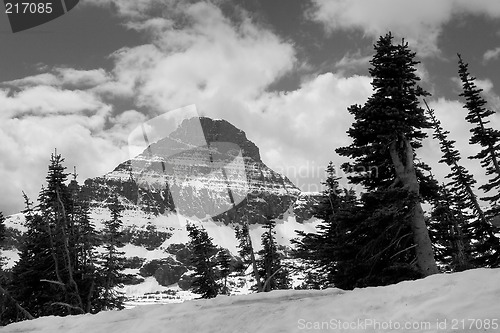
(211, 61)
(194, 55)
(420, 22)
(27, 143)
(353, 61)
(491, 54)
(45, 100)
(38, 119)
(63, 77)
(313, 121)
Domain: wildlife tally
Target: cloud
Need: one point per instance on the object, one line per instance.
(224, 66)
(45, 100)
(354, 61)
(210, 59)
(420, 22)
(194, 54)
(133, 9)
(38, 119)
(298, 131)
(491, 54)
(28, 142)
(63, 77)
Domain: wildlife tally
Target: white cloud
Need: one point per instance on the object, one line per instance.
(28, 142)
(64, 77)
(209, 59)
(224, 68)
(34, 80)
(420, 22)
(353, 61)
(82, 78)
(299, 131)
(491, 54)
(44, 100)
(135, 9)
(39, 119)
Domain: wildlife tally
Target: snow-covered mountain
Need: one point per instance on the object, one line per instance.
(458, 302)
(205, 171)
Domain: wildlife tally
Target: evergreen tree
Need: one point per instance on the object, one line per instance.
(449, 233)
(318, 249)
(487, 137)
(330, 196)
(247, 253)
(56, 206)
(203, 250)
(112, 261)
(275, 275)
(489, 140)
(224, 262)
(85, 239)
(34, 267)
(366, 242)
(463, 199)
(385, 133)
(57, 273)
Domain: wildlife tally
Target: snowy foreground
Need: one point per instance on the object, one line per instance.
(460, 302)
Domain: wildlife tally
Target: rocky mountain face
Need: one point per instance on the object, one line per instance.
(204, 169)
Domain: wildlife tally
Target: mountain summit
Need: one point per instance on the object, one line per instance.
(204, 168)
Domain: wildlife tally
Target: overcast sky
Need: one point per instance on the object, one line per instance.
(284, 71)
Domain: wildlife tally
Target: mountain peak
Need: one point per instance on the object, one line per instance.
(203, 131)
(205, 168)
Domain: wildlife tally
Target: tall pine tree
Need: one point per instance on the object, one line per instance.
(385, 133)
(489, 140)
(449, 233)
(57, 272)
(470, 216)
(34, 266)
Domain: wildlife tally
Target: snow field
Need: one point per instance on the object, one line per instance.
(459, 302)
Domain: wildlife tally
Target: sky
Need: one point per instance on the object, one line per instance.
(283, 71)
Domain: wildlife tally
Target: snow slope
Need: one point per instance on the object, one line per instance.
(460, 302)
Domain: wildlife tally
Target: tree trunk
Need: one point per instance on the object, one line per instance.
(405, 172)
(254, 263)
